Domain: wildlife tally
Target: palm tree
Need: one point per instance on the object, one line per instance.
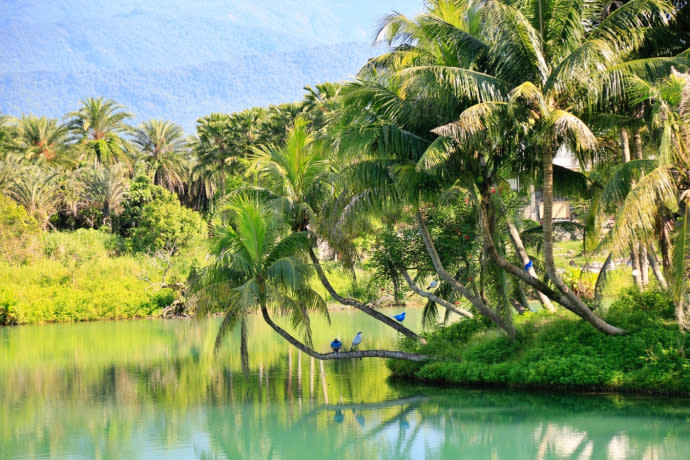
(320, 104)
(106, 187)
(98, 126)
(292, 173)
(42, 139)
(294, 177)
(255, 267)
(162, 145)
(656, 206)
(36, 189)
(525, 67)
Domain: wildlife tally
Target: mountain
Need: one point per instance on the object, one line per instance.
(184, 94)
(180, 59)
(139, 40)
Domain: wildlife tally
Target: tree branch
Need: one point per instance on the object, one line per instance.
(344, 355)
(359, 305)
(434, 298)
(476, 301)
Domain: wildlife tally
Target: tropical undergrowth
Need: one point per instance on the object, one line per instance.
(85, 276)
(556, 351)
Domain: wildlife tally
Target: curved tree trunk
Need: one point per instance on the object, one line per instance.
(565, 297)
(654, 263)
(520, 249)
(359, 305)
(582, 311)
(434, 298)
(344, 355)
(635, 262)
(475, 300)
(642, 256)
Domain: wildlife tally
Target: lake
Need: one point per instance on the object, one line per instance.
(150, 389)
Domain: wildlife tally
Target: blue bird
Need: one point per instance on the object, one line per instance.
(400, 317)
(433, 284)
(339, 416)
(528, 265)
(336, 345)
(356, 341)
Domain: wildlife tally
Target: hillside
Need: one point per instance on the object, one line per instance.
(178, 59)
(185, 93)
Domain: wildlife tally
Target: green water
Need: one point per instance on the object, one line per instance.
(152, 389)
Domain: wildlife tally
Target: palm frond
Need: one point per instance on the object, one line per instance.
(516, 45)
(480, 120)
(636, 218)
(429, 315)
(289, 246)
(436, 154)
(462, 83)
(602, 278)
(567, 182)
(619, 185)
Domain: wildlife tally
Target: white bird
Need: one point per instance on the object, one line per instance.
(356, 341)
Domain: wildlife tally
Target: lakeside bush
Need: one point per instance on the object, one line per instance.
(19, 231)
(559, 351)
(81, 276)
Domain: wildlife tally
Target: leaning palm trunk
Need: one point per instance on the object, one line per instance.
(339, 355)
(359, 305)
(520, 250)
(576, 305)
(656, 270)
(434, 298)
(476, 301)
(559, 296)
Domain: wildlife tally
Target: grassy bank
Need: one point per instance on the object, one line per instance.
(83, 276)
(563, 352)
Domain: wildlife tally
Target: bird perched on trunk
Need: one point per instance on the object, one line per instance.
(336, 345)
(356, 341)
(400, 317)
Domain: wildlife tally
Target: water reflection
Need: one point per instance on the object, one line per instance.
(151, 389)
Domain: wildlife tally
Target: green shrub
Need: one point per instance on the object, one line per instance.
(8, 314)
(80, 277)
(19, 232)
(559, 350)
(166, 225)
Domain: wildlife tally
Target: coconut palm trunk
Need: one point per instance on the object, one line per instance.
(634, 248)
(475, 300)
(642, 249)
(563, 295)
(520, 250)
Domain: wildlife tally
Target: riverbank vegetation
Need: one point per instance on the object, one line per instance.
(558, 353)
(413, 178)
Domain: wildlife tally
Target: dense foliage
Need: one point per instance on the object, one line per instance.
(560, 353)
